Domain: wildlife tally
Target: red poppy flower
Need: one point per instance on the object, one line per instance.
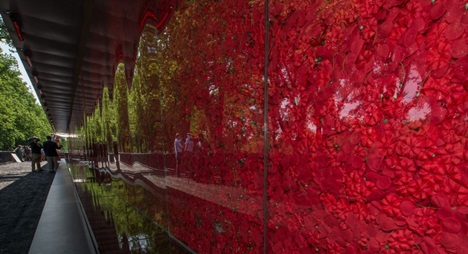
(386, 223)
(459, 47)
(441, 200)
(438, 9)
(407, 208)
(462, 195)
(450, 241)
(391, 205)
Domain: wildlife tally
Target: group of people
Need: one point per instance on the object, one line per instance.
(23, 153)
(186, 150)
(49, 148)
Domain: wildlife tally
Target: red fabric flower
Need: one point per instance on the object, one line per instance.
(391, 205)
(367, 110)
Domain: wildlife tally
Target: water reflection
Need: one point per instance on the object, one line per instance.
(191, 196)
(113, 210)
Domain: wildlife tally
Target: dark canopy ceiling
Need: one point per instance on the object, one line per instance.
(71, 48)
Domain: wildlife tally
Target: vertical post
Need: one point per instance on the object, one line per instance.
(85, 120)
(265, 127)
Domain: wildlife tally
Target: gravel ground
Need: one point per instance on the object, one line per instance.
(22, 198)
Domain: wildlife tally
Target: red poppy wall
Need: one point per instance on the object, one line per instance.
(367, 126)
(368, 120)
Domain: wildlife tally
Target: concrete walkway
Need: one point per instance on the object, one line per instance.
(62, 227)
(40, 212)
(22, 198)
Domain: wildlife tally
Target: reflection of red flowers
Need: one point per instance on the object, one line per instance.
(369, 180)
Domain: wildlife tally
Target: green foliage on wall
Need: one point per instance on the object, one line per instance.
(121, 105)
(108, 118)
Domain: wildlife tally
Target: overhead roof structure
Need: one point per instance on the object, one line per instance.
(70, 49)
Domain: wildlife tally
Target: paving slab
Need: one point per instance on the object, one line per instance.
(22, 197)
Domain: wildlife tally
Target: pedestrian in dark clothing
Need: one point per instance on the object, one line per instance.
(50, 150)
(35, 155)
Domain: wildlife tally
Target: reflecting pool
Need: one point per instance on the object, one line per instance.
(118, 221)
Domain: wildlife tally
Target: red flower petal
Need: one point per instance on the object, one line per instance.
(438, 114)
(400, 221)
(407, 208)
(439, 73)
(454, 12)
(412, 224)
(431, 247)
(445, 213)
(376, 195)
(389, 172)
(372, 230)
(463, 248)
(383, 182)
(449, 241)
(463, 210)
(419, 24)
(382, 237)
(454, 31)
(463, 195)
(374, 245)
(451, 225)
(382, 51)
(386, 27)
(437, 10)
(459, 48)
(374, 208)
(441, 200)
(464, 19)
(386, 223)
(461, 70)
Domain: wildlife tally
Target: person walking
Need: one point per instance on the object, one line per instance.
(27, 153)
(57, 141)
(189, 144)
(188, 154)
(35, 155)
(50, 150)
(178, 151)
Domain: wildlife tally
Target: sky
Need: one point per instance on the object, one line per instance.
(24, 76)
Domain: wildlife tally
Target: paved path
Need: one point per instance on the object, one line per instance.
(10, 172)
(22, 198)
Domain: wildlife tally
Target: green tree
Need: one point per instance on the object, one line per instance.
(20, 116)
(108, 118)
(121, 104)
(97, 121)
(136, 113)
(4, 35)
(147, 88)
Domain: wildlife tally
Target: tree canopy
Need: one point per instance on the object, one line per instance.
(4, 35)
(20, 116)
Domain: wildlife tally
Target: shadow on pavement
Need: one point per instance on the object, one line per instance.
(21, 204)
